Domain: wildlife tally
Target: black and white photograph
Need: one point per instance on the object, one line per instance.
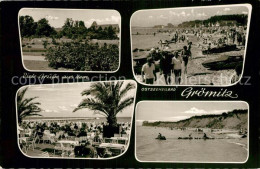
(83, 120)
(190, 46)
(192, 131)
(70, 39)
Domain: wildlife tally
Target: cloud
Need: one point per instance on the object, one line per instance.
(219, 12)
(41, 88)
(74, 105)
(162, 17)
(177, 118)
(195, 110)
(50, 111)
(217, 111)
(49, 17)
(226, 9)
(201, 14)
(115, 18)
(64, 108)
(109, 20)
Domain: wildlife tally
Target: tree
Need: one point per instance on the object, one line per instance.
(25, 106)
(108, 99)
(44, 28)
(27, 26)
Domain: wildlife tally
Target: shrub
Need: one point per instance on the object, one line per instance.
(83, 56)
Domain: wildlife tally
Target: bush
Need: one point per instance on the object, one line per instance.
(83, 56)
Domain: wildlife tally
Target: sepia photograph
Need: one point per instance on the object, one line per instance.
(70, 39)
(190, 46)
(81, 120)
(192, 131)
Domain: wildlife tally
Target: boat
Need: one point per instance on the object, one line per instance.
(224, 62)
(224, 48)
(161, 138)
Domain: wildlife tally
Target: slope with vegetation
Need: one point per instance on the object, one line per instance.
(223, 20)
(235, 119)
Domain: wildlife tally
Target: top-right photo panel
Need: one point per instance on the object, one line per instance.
(190, 46)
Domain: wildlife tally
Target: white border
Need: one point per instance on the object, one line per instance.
(249, 7)
(72, 158)
(201, 162)
(119, 46)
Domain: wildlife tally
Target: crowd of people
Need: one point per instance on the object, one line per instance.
(85, 137)
(176, 61)
(169, 62)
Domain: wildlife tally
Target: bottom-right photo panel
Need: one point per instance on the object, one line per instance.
(192, 131)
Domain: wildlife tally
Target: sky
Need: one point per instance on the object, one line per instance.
(57, 17)
(175, 111)
(175, 16)
(59, 100)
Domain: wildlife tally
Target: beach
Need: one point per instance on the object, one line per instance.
(197, 74)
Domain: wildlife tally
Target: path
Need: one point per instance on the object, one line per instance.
(35, 58)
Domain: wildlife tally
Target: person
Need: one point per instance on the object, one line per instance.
(89, 150)
(190, 136)
(97, 138)
(165, 67)
(177, 62)
(148, 72)
(205, 136)
(185, 56)
(107, 153)
(236, 76)
(189, 48)
(159, 135)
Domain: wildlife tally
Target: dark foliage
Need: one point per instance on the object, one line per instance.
(83, 56)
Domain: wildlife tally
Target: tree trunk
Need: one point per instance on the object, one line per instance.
(112, 120)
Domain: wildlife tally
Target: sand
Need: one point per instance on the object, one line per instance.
(197, 74)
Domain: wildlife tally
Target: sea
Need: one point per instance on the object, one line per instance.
(81, 119)
(173, 150)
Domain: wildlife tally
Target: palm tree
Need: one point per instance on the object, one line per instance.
(26, 107)
(107, 98)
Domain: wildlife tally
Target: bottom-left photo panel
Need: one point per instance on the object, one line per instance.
(88, 120)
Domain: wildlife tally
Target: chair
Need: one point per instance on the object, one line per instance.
(44, 154)
(46, 138)
(72, 154)
(58, 147)
(116, 151)
(23, 145)
(116, 135)
(31, 142)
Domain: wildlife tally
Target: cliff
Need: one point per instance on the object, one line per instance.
(235, 119)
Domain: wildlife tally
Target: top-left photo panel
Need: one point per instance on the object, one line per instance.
(70, 40)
